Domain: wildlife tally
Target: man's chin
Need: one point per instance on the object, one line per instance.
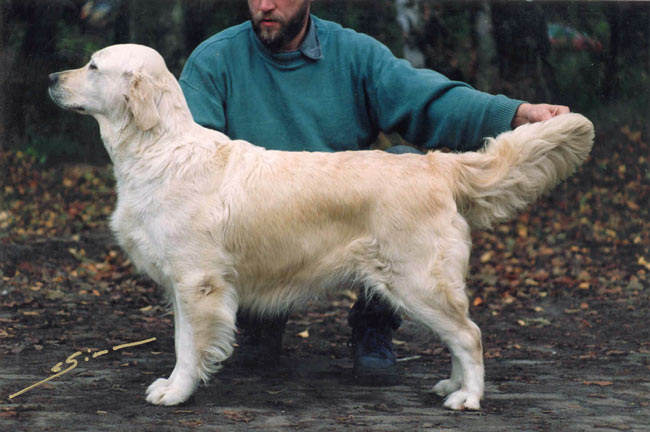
(269, 36)
(271, 39)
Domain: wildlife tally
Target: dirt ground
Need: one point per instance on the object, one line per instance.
(562, 295)
(558, 366)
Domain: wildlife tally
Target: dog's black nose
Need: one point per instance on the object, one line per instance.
(54, 78)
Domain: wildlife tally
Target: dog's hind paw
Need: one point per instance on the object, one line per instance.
(165, 391)
(462, 400)
(446, 387)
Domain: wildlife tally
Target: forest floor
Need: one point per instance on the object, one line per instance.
(561, 293)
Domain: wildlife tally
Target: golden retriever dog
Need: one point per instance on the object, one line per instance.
(221, 223)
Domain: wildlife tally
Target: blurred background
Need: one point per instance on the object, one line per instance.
(593, 56)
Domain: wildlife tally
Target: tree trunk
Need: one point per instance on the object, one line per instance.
(26, 78)
(613, 14)
(487, 72)
(409, 18)
(4, 62)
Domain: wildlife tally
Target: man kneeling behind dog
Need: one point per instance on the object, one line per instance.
(287, 80)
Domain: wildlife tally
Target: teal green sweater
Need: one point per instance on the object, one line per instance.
(335, 94)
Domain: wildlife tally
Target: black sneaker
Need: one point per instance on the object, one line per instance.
(375, 362)
(373, 321)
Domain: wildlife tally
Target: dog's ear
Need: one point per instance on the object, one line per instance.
(142, 102)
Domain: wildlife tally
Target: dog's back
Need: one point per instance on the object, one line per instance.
(300, 222)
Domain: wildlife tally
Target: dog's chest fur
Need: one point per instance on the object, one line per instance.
(140, 233)
(161, 219)
(147, 221)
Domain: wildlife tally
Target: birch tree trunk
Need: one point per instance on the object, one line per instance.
(409, 18)
(487, 72)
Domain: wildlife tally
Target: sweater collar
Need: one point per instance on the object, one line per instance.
(310, 46)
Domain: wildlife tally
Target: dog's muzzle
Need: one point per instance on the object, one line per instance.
(57, 95)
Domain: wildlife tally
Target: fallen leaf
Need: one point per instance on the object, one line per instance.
(238, 416)
(584, 285)
(54, 294)
(633, 206)
(487, 256)
(599, 383)
(522, 231)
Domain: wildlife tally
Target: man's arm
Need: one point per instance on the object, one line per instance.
(207, 110)
(200, 89)
(429, 110)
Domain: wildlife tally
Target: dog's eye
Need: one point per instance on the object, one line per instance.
(92, 66)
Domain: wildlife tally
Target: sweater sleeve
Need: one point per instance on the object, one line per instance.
(201, 89)
(430, 110)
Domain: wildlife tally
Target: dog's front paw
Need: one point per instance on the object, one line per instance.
(446, 387)
(462, 400)
(165, 391)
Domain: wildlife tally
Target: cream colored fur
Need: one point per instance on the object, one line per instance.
(222, 223)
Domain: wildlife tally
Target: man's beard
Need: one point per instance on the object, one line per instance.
(275, 40)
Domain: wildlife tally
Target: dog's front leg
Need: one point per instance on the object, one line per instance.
(204, 329)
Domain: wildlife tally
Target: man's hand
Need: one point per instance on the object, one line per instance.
(529, 113)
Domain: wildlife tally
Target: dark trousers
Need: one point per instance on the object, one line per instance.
(373, 312)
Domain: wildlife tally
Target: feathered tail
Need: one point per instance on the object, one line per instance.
(516, 167)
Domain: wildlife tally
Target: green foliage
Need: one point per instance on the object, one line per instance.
(43, 37)
(77, 142)
(374, 17)
(43, 146)
(581, 79)
(74, 47)
(634, 84)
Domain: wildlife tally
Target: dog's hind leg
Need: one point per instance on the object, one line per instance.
(204, 329)
(464, 389)
(434, 294)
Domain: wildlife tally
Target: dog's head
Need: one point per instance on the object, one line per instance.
(118, 81)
